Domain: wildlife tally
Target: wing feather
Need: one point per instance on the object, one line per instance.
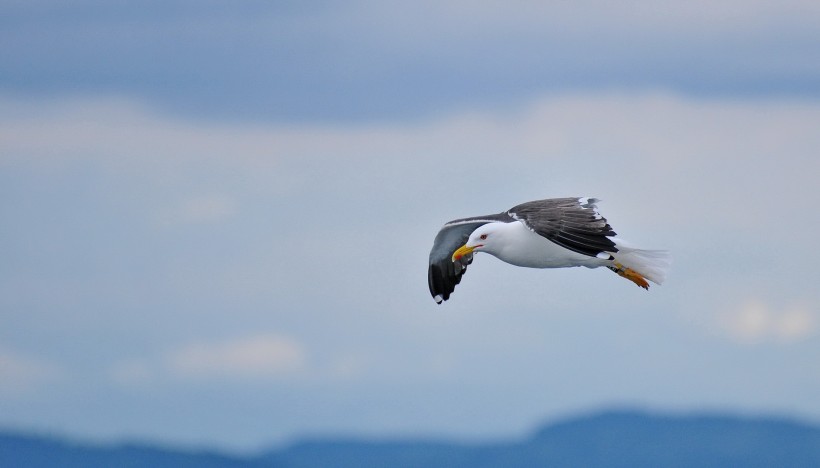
(572, 223)
(443, 273)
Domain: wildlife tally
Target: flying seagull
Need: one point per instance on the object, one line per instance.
(552, 233)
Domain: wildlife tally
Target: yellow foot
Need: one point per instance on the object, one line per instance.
(630, 274)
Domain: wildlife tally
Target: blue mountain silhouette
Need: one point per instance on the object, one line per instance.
(608, 439)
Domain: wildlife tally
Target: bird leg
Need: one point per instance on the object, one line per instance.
(629, 274)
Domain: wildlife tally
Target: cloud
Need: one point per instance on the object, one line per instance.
(255, 357)
(756, 321)
(249, 358)
(261, 356)
(657, 142)
(668, 168)
(330, 225)
(20, 374)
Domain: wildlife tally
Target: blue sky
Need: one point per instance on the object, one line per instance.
(216, 219)
(375, 60)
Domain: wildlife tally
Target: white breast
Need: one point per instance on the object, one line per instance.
(522, 247)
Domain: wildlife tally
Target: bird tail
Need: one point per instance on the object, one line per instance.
(639, 265)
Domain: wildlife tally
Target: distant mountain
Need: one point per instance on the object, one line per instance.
(611, 439)
(23, 451)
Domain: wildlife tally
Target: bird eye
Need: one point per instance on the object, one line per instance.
(483, 236)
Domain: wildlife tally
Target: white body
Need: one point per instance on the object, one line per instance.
(516, 244)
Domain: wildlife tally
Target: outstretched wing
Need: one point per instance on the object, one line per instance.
(444, 274)
(572, 223)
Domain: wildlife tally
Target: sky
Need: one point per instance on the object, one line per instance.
(216, 216)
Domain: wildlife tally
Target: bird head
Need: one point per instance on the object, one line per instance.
(480, 240)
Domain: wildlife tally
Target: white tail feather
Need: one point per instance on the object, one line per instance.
(651, 264)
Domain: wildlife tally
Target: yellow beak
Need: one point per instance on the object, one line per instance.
(462, 251)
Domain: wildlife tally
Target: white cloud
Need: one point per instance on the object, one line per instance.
(730, 186)
(261, 356)
(755, 321)
(121, 134)
(251, 357)
(20, 374)
(718, 177)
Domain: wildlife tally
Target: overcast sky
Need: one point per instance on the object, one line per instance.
(216, 217)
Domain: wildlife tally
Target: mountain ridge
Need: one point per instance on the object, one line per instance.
(611, 438)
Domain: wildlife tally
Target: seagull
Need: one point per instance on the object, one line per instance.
(551, 233)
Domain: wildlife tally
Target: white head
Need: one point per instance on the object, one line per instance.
(486, 238)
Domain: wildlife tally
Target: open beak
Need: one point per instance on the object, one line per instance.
(462, 251)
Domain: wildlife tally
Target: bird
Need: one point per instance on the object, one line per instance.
(549, 233)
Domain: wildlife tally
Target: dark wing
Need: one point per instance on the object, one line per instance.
(444, 274)
(572, 223)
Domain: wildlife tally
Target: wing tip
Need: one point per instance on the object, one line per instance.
(589, 202)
